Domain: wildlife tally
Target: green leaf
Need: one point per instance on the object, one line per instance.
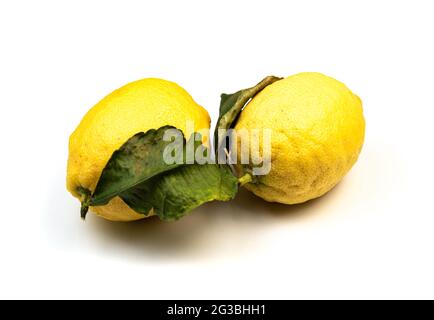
(137, 160)
(139, 174)
(232, 104)
(175, 193)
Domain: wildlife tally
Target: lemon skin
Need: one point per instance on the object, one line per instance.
(318, 130)
(136, 107)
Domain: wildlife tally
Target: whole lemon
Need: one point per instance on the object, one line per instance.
(317, 134)
(136, 107)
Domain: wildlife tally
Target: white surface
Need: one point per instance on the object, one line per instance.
(371, 237)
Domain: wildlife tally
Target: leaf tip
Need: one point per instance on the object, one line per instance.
(83, 211)
(86, 196)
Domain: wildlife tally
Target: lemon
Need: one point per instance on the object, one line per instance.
(318, 130)
(136, 107)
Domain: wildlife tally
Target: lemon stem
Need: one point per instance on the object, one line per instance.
(246, 178)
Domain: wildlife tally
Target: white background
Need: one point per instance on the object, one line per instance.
(370, 237)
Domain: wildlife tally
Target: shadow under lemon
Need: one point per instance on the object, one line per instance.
(235, 225)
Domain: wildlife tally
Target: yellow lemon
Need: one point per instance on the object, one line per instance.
(136, 107)
(317, 134)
